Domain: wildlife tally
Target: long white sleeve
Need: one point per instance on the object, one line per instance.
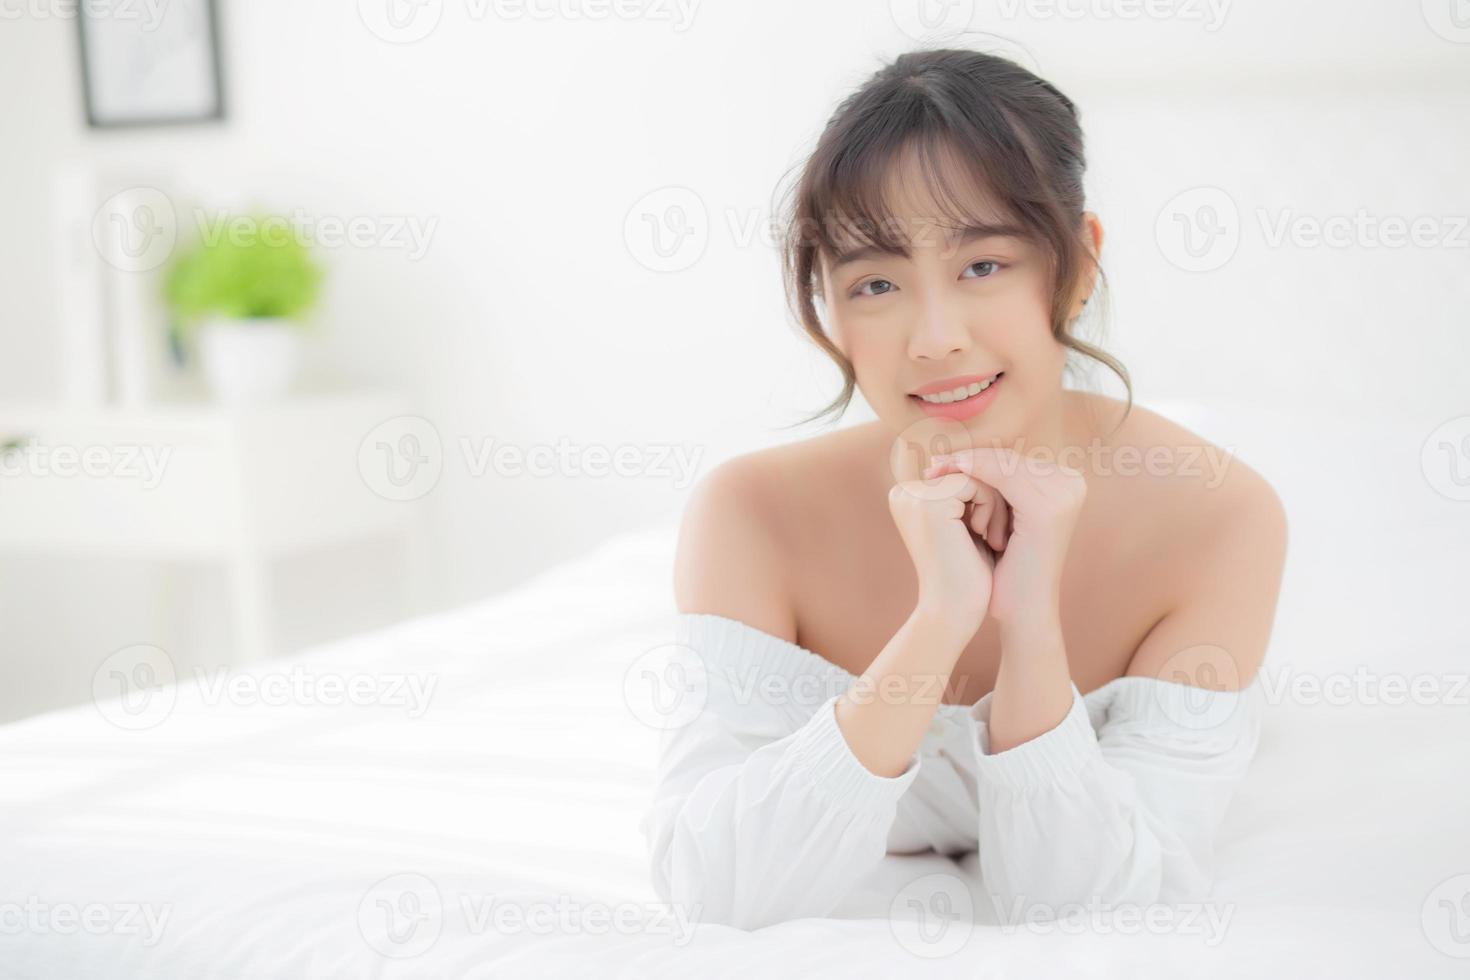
(762, 814)
(1124, 812)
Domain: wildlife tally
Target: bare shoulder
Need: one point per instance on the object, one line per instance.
(1219, 530)
(1192, 490)
(739, 529)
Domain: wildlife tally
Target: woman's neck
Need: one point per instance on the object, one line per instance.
(1069, 424)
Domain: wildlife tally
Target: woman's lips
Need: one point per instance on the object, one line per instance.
(960, 410)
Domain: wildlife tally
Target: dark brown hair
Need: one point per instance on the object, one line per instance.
(1019, 136)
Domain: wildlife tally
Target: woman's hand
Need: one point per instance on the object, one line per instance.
(934, 518)
(1044, 500)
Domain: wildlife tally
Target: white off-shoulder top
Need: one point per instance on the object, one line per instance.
(761, 813)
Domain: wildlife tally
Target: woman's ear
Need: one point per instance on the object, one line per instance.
(1092, 236)
(1092, 225)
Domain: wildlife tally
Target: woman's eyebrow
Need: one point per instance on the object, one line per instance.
(958, 238)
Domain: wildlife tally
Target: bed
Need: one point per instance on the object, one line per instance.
(458, 796)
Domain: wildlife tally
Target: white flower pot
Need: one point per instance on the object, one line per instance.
(249, 361)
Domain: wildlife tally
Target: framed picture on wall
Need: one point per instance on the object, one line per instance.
(150, 64)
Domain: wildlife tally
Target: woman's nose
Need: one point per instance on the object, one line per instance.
(939, 330)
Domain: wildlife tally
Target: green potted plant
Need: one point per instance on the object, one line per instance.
(244, 294)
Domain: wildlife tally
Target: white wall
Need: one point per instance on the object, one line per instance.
(529, 319)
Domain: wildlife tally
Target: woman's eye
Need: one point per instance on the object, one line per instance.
(888, 287)
(993, 268)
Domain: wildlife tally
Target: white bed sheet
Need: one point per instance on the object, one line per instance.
(271, 836)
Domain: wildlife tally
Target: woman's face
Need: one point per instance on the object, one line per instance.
(962, 307)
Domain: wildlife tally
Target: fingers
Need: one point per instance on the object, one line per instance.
(980, 514)
(984, 503)
(965, 497)
(952, 493)
(973, 493)
(995, 535)
(1024, 481)
(988, 517)
(1000, 468)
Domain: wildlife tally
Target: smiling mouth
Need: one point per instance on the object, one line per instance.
(965, 402)
(961, 394)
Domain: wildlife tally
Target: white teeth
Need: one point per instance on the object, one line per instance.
(959, 394)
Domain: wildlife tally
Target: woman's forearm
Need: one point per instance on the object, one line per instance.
(886, 712)
(1033, 686)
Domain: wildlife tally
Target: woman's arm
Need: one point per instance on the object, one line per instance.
(1033, 686)
(1128, 813)
(886, 712)
(753, 823)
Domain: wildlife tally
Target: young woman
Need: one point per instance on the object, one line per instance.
(1037, 648)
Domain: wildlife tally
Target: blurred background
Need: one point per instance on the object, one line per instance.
(317, 316)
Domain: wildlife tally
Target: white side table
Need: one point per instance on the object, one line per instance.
(204, 482)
